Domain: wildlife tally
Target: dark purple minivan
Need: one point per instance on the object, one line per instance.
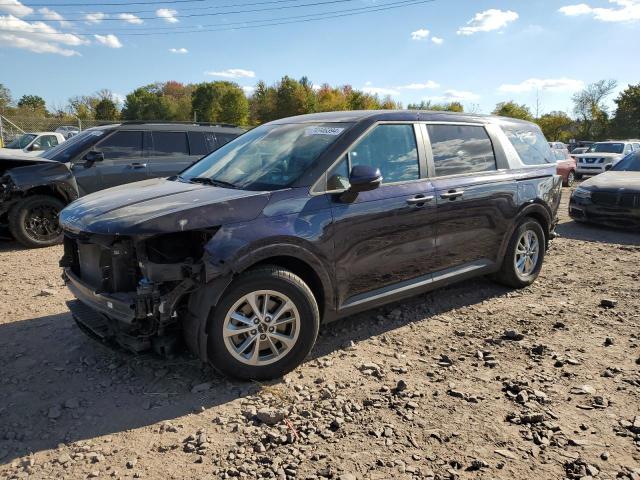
(305, 220)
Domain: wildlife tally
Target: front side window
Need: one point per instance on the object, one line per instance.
(170, 144)
(45, 142)
(22, 141)
(269, 157)
(68, 150)
(122, 144)
(460, 149)
(391, 148)
(529, 142)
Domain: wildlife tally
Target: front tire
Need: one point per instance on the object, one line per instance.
(264, 326)
(524, 256)
(571, 178)
(34, 221)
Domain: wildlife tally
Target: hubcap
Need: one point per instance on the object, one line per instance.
(570, 179)
(527, 253)
(41, 223)
(261, 327)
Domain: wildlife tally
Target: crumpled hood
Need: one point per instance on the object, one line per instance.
(614, 181)
(160, 206)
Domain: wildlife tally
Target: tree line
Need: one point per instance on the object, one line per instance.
(227, 102)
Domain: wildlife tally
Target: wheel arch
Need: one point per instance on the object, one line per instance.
(533, 210)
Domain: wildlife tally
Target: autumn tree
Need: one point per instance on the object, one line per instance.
(591, 110)
(556, 126)
(512, 109)
(220, 101)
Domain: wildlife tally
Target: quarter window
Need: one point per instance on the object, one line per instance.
(122, 144)
(392, 149)
(170, 143)
(530, 143)
(459, 149)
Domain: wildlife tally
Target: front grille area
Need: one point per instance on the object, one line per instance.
(616, 199)
(108, 268)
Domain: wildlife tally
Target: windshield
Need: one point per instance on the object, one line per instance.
(630, 163)
(22, 141)
(606, 148)
(269, 157)
(65, 151)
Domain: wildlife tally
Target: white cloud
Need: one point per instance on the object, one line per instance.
(119, 98)
(380, 91)
(420, 86)
(455, 96)
(551, 84)
(437, 40)
(233, 73)
(168, 14)
(181, 50)
(15, 8)
(53, 16)
(248, 90)
(37, 37)
(624, 11)
(130, 18)
(110, 41)
(420, 34)
(488, 21)
(95, 17)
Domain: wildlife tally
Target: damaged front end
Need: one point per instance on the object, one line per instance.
(131, 290)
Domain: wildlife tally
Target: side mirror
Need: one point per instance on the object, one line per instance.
(35, 148)
(364, 178)
(94, 156)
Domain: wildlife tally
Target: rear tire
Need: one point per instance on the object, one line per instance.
(571, 178)
(264, 326)
(524, 256)
(34, 221)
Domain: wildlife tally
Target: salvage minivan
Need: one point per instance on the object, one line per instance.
(305, 220)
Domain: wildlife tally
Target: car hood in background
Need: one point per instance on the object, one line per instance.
(614, 180)
(160, 206)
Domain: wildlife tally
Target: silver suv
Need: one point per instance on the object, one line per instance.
(602, 156)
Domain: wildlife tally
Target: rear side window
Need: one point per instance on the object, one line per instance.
(197, 143)
(530, 144)
(459, 149)
(170, 143)
(224, 138)
(122, 144)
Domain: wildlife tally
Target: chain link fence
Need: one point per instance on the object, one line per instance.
(11, 127)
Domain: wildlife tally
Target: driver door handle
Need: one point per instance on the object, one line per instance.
(138, 165)
(418, 199)
(452, 194)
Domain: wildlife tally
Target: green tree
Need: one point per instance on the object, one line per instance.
(291, 98)
(330, 99)
(106, 109)
(262, 104)
(5, 98)
(438, 107)
(220, 101)
(513, 110)
(82, 106)
(32, 105)
(145, 103)
(556, 126)
(591, 110)
(626, 122)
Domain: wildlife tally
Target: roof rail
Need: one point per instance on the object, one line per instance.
(165, 122)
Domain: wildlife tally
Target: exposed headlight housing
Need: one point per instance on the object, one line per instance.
(582, 192)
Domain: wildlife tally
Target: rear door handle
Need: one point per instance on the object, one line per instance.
(418, 199)
(452, 195)
(138, 165)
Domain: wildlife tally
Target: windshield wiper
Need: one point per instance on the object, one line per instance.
(211, 181)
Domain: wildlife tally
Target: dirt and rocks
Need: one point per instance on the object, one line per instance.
(471, 381)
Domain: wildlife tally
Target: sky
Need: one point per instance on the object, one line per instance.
(478, 52)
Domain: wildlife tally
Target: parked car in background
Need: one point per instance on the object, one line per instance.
(68, 131)
(565, 166)
(304, 220)
(612, 198)
(32, 143)
(33, 191)
(580, 144)
(579, 150)
(601, 156)
(557, 145)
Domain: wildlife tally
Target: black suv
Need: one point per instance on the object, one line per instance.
(33, 190)
(304, 220)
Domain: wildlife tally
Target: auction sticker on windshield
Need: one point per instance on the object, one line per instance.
(323, 131)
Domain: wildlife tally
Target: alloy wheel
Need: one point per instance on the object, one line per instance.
(41, 223)
(261, 327)
(527, 253)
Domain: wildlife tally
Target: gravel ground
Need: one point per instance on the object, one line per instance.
(470, 381)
